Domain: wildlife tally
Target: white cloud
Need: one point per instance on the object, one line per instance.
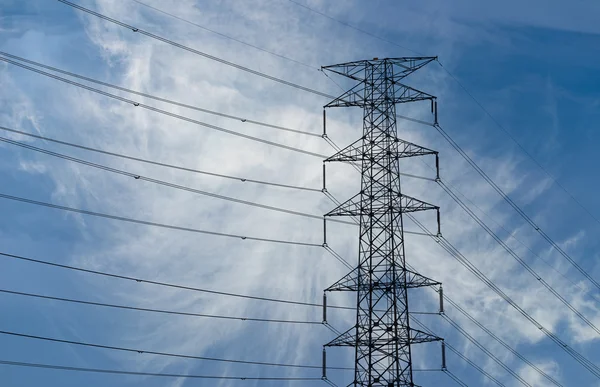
(298, 273)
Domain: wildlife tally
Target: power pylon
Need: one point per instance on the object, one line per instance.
(382, 336)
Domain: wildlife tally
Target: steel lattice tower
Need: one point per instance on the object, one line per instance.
(382, 336)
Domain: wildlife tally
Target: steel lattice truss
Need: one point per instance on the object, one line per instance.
(382, 336)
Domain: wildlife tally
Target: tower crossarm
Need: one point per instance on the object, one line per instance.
(356, 69)
(356, 96)
(402, 149)
(376, 205)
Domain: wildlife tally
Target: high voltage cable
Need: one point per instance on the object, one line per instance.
(240, 179)
(194, 51)
(165, 100)
(455, 253)
(482, 347)
(478, 344)
(157, 353)
(486, 351)
(455, 378)
(171, 102)
(511, 235)
(173, 115)
(164, 183)
(459, 354)
(153, 310)
(514, 205)
(499, 340)
(134, 29)
(148, 223)
(170, 285)
(164, 112)
(516, 142)
(504, 196)
(177, 313)
(226, 36)
(524, 264)
(167, 184)
(137, 373)
(170, 375)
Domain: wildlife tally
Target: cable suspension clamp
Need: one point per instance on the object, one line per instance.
(443, 355)
(324, 308)
(441, 291)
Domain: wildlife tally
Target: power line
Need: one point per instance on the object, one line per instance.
(226, 36)
(166, 165)
(136, 373)
(482, 348)
(165, 354)
(153, 310)
(474, 365)
(514, 205)
(511, 235)
(164, 183)
(499, 340)
(165, 284)
(147, 223)
(170, 185)
(516, 142)
(455, 378)
(479, 324)
(169, 375)
(165, 100)
(164, 112)
(486, 351)
(170, 285)
(140, 351)
(194, 51)
(455, 253)
(520, 260)
(183, 118)
(459, 354)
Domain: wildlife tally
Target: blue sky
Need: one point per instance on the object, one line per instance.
(533, 66)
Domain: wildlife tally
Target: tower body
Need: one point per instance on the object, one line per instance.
(382, 336)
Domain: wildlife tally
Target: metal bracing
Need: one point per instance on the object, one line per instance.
(382, 337)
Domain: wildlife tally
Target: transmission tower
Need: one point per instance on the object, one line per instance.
(382, 337)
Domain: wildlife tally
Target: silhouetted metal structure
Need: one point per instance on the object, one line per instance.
(382, 336)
